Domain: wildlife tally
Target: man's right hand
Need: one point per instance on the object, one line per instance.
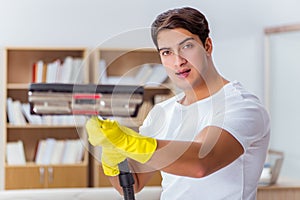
(110, 159)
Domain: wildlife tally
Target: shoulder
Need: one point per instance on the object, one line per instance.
(241, 112)
(238, 96)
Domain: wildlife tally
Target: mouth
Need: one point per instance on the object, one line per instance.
(183, 73)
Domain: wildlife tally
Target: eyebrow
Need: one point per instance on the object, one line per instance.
(180, 43)
(187, 39)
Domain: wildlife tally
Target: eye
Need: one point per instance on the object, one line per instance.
(187, 46)
(165, 53)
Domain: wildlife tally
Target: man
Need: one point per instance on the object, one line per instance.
(210, 141)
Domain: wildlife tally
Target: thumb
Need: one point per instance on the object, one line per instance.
(108, 124)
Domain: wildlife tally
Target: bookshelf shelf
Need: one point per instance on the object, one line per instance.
(17, 86)
(33, 164)
(30, 126)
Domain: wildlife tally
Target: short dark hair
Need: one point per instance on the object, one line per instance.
(187, 18)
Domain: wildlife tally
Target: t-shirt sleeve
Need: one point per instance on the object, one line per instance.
(247, 120)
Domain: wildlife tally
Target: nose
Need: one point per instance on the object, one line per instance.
(179, 60)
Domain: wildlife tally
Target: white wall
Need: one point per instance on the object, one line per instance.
(237, 27)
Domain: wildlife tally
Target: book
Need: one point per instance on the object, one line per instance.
(40, 152)
(34, 69)
(81, 72)
(15, 153)
(101, 73)
(44, 75)
(19, 118)
(80, 151)
(32, 119)
(66, 71)
(71, 151)
(39, 71)
(10, 111)
(52, 71)
(49, 149)
(57, 152)
(77, 73)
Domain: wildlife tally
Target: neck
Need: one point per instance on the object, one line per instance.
(207, 88)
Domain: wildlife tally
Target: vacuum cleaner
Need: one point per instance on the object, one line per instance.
(89, 99)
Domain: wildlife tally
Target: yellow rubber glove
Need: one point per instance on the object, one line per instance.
(110, 159)
(109, 134)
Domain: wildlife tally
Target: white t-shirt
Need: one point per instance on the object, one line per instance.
(233, 109)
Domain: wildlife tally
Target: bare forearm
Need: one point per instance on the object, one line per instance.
(114, 180)
(176, 156)
(138, 184)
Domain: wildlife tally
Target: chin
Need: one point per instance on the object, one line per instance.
(184, 85)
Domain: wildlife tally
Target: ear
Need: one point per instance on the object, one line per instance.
(208, 45)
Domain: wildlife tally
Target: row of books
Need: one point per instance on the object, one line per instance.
(19, 114)
(49, 152)
(147, 75)
(70, 70)
(52, 151)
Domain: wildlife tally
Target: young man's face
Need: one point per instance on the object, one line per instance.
(184, 56)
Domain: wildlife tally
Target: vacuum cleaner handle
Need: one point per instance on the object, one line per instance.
(126, 180)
